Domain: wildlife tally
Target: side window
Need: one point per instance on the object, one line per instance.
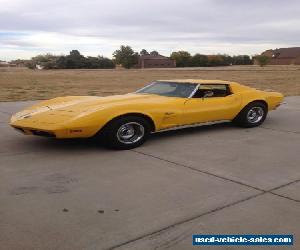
(212, 90)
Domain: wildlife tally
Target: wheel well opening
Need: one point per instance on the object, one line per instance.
(147, 118)
(261, 101)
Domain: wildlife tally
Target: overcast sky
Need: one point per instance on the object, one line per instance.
(98, 27)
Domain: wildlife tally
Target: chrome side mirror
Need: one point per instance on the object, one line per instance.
(208, 93)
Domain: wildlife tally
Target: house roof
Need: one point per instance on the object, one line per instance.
(287, 52)
(153, 57)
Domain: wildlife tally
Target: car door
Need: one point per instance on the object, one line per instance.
(170, 112)
(222, 105)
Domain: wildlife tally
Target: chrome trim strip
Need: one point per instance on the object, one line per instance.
(194, 91)
(192, 125)
(144, 87)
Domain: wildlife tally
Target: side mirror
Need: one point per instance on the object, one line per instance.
(208, 93)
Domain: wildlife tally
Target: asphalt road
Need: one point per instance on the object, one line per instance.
(207, 180)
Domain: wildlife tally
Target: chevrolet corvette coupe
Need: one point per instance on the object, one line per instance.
(126, 121)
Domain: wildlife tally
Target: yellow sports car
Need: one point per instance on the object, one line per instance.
(125, 121)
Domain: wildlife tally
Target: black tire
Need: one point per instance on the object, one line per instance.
(246, 120)
(115, 132)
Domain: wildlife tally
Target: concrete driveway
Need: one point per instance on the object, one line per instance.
(206, 180)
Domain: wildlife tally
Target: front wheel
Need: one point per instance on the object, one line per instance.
(252, 115)
(126, 132)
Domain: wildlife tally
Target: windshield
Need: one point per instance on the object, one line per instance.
(172, 89)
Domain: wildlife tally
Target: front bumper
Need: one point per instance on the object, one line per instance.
(53, 125)
(35, 132)
(60, 133)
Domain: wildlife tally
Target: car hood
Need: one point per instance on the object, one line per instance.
(66, 108)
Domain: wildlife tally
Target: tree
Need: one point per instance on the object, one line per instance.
(242, 60)
(30, 64)
(247, 60)
(144, 52)
(126, 57)
(61, 62)
(154, 53)
(262, 60)
(199, 60)
(105, 63)
(182, 58)
(47, 61)
(74, 60)
(226, 60)
(91, 62)
(216, 60)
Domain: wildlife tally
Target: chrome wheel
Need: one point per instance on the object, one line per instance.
(255, 115)
(130, 132)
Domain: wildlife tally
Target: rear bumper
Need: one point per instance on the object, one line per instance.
(275, 100)
(278, 105)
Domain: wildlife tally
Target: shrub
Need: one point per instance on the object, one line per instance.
(262, 60)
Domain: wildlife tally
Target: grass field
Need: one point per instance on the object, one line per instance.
(18, 84)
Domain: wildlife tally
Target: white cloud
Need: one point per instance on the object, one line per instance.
(99, 27)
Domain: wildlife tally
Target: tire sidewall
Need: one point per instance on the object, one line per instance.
(242, 120)
(110, 135)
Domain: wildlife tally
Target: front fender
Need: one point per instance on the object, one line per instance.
(90, 123)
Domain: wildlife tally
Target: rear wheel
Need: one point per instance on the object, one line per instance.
(126, 132)
(252, 115)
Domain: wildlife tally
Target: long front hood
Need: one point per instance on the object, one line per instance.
(62, 109)
(78, 103)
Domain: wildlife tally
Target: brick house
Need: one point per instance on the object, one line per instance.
(283, 56)
(155, 61)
